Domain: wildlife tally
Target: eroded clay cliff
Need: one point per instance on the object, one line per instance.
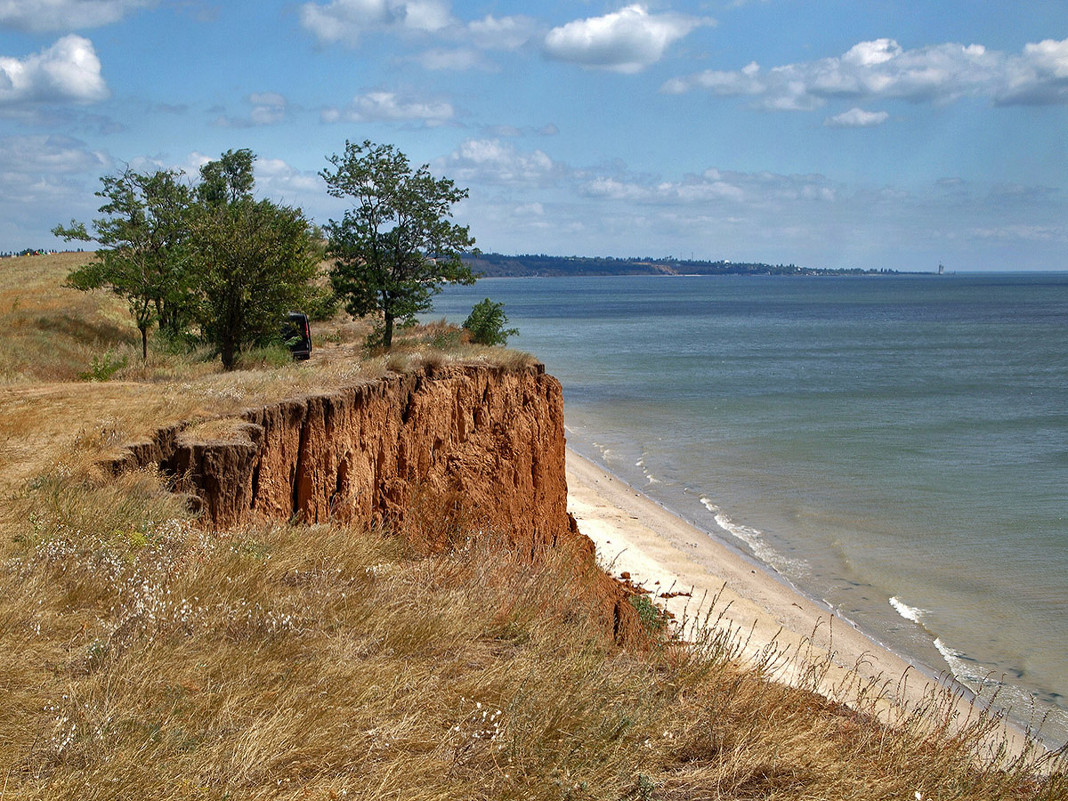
(472, 446)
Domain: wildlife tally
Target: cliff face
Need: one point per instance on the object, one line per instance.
(458, 446)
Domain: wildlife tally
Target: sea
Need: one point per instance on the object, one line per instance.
(893, 446)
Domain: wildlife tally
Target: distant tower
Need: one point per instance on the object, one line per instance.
(941, 269)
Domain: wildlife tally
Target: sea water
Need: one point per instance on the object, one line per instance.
(895, 446)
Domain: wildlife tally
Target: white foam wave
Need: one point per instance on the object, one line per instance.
(908, 612)
(754, 538)
(960, 666)
(649, 477)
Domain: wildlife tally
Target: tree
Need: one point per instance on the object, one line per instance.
(487, 323)
(254, 260)
(396, 248)
(228, 179)
(143, 257)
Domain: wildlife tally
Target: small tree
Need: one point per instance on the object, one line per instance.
(143, 255)
(487, 323)
(394, 251)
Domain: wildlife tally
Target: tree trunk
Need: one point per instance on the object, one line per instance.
(144, 343)
(228, 352)
(387, 332)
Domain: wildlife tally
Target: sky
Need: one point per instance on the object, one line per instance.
(831, 133)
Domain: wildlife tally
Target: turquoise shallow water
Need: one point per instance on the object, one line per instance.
(895, 446)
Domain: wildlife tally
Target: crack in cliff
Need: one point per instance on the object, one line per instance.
(298, 471)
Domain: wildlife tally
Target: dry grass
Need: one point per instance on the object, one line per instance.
(149, 660)
(55, 336)
(146, 659)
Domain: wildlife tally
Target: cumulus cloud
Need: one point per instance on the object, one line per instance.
(857, 118)
(628, 40)
(389, 107)
(882, 69)
(276, 178)
(1038, 77)
(495, 162)
(458, 45)
(65, 15)
(68, 71)
(347, 20)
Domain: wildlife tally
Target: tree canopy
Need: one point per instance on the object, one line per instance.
(255, 260)
(144, 237)
(210, 258)
(396, 247)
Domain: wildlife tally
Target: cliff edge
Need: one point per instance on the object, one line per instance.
(452, 451)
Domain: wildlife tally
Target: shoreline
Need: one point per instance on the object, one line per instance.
(664, 554)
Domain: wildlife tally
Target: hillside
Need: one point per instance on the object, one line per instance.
(439, 648)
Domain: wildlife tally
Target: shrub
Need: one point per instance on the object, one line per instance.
(104, 367)
(487, 324)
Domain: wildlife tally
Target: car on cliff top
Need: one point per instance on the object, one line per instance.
(296, 333)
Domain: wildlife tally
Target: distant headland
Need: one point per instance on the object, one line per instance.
(496, 265)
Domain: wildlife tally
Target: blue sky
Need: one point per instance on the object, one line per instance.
(836, 133)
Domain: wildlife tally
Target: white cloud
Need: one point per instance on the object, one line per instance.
(65, 15)
(882, 69)
(504, 33)
(45, 180)
(347, 20)
(628, 40)
(857, 118)
(279, 180)
(48, 155)
(388, 107)
(268, 108)
(729, 189)
(496, 162)
(69, 70)
(1038, 77)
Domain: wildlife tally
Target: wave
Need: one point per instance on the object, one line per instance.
(911, 613)
(649, 477)
(754, 539)
(964, 669)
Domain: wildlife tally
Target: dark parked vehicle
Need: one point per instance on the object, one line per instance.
(296, 333)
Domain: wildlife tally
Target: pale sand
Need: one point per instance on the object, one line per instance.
(663, 553)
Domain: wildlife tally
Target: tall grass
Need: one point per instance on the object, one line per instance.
(146, 659)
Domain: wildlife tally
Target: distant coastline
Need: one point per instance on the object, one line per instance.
(496, 265)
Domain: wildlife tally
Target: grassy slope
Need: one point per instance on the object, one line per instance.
(147, 660)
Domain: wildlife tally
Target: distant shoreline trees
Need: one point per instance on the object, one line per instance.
(496, 265)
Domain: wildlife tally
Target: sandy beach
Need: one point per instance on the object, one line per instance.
(664, 554)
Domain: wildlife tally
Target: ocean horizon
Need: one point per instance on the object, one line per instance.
(895, 447)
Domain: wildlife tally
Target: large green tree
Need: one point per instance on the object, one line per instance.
(143, 253)
(209, 259)
(397, 246)
(254, 259)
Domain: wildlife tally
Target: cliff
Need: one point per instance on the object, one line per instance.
(449, 452)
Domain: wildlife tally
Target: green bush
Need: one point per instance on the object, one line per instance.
(103, 368)
(487, 324)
